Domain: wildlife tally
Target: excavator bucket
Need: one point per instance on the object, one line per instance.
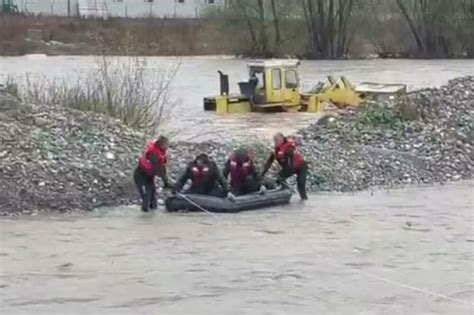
(339, 92)
(342, 93)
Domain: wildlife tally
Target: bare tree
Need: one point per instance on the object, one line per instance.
(327, 25)
(334, 28)
(276, 23)
(465, 27)
(435, 24)
(254, 14)
(263, 23)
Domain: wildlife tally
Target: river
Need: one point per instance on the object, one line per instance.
(197, 77)
(404, 251)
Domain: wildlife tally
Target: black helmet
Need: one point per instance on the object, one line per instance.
(203, 157)
(241, 154)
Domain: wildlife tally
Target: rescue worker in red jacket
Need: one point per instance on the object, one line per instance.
(244, 176)
(291, 162)
(206, 178)
(152, 163)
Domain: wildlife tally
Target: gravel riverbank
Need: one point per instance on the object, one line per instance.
(374, 147)
(57, 159)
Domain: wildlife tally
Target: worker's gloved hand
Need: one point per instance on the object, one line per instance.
(281, 182)
(230, 196)
(262, 190)
(174, 190)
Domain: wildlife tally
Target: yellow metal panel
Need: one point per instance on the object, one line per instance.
(222, 104)
(273, 95)
(291, 95)
(240, 107)
(315, 105)
(342, 97)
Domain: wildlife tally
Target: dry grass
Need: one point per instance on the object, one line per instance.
(92, 36)
(123, 89)
(384, 34)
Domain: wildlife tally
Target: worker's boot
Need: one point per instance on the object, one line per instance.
(153, 203)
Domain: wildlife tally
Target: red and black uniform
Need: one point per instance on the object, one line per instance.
(244, 177)
(291, 162)
(206, 179)
(152, 163)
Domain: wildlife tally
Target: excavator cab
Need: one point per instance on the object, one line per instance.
(272, 83)
(254, 88)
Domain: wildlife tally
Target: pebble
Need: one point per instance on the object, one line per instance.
(426, 150)
(40, 121)
(77, 155)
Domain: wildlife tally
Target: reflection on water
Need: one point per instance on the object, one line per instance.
(405, 251)
(197, 78)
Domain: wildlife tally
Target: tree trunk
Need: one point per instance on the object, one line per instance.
(340, 35)
(276, 24)
(411, 24)
(322, 29)
(314, 35)
(327, 21)
(345, 42)
(250, 27)
(470, 26)
(307, 19)
(263, 34)
(330, 30)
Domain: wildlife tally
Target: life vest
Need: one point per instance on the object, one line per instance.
(281, 153)
(151, 149)
(199, 174)
(239, 173)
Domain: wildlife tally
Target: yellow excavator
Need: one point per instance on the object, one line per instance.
(274, 85)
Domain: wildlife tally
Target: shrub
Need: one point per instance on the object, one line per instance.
(123, 88)
(380, 115)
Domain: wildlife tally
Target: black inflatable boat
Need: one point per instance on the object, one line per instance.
(215, 204)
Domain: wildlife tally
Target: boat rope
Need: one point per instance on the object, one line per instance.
(287, 186)
(402, 285)
(198, 206)
(365, 274)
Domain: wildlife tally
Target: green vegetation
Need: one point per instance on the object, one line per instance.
(381, 115)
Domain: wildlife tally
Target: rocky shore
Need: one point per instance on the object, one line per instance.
(54, 158)
(377, 146)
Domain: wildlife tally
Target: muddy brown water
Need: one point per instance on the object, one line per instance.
(197, 77)
(403, 251)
